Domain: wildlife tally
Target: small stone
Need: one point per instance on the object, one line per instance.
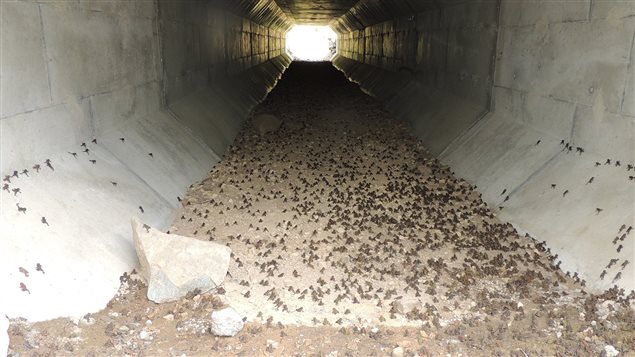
(610, 351)
(226, 322)
(145, 335)
(86, 321)
(397, 352)
(266, 123)
(169, 317)
(272, 345)
(398, 307)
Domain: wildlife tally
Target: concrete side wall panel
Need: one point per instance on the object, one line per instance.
(512, 161)
(140, 9)
(87, 243)
(545, 114)
(183, 71)
(572, 61)
(564, 80)
(473, 14)
(120, 106)
(608, 135)
(202, 112)
(103, 59)
(35, 136)
(506, 161)
(529, 12)
(24, 81)
(468, 69)
(572, 227)
(628, 101)
(113, 53)
(602, 9)
(161, 152)
(564, 72)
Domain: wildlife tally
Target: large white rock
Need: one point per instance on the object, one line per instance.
(226, 322)
(174, 265)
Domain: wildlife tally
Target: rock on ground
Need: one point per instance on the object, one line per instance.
(266, 123)
(174, 265)
(610, 351)
(226, 322)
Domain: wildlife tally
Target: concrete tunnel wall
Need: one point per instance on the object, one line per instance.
(173, 79)
(480, 81)
(493, 88)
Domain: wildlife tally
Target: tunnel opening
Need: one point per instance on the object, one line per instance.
(460, 172)
(311, 43)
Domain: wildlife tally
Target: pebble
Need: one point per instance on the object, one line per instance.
(226, 322)
(398, 352)
(610, 351)
(169, 317)
(145, 335)
(272, 344)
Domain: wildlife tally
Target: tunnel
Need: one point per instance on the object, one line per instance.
(116, 109)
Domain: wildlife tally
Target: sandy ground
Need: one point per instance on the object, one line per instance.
(349, 239)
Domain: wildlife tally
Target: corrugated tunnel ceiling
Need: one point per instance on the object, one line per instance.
(342, 15)
(315, 12)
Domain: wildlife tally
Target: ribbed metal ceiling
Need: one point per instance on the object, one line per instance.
(264, 12)
(316, 11)
(343, 15)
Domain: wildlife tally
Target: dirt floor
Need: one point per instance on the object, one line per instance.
(349, 239)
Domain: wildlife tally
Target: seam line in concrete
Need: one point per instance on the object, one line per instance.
(573, 123)
(34, 110)
(187, 129)
(465, 135)
(134, 173)
(629, 68)
(91, 113)
(46, 54)
(494, 66)
(548, 24)
(533, 174)
(158, 55)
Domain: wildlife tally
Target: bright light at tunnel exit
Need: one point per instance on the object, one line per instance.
(311, 43)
